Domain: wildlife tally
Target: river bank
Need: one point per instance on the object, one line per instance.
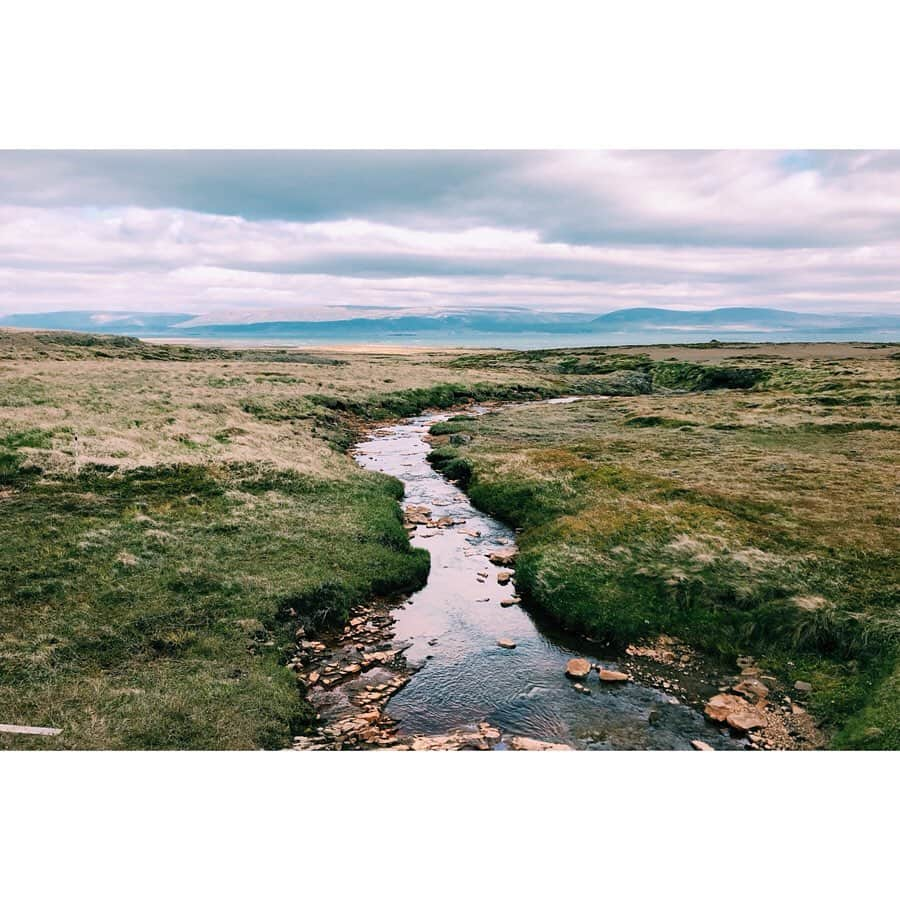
(172, 515)
(718, 517)
(460, 665)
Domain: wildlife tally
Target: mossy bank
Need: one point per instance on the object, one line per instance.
(758, 519)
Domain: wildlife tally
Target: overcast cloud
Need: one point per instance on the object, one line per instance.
(267, 233)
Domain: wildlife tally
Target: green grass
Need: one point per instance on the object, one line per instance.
(738, 525)
(411, 402)
(155, 608)
(623, 370)
(154, 605)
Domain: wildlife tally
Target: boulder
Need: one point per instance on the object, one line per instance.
(611, 675)
(701, 745)
(510, 601)
(578, 668)
(506, 644)
(803, 686)
(503, 577)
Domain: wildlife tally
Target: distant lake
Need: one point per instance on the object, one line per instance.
(518, 340)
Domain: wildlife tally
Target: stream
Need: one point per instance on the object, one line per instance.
(451, 628)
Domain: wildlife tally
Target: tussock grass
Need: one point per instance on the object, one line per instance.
(754, 520)
(169, 515)
(168, 518)
(126, 598)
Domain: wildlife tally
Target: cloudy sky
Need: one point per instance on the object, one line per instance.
(261, 234)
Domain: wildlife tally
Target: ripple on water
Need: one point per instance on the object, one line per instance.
(452, 633)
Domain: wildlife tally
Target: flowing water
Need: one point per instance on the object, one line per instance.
(453, 624)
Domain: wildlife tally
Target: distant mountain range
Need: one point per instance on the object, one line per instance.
(134, 324)
(494, 327)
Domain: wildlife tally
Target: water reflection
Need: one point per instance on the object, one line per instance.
(453, 624)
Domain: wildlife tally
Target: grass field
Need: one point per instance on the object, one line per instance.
(761, 519)
(169, 516)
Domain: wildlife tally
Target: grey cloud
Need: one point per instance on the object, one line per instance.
(218, 227)
(414, 265)
(301, 186)
(707, 198)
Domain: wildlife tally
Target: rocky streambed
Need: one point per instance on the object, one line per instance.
(462, 665)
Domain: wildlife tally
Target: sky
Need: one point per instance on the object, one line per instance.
(244, 235)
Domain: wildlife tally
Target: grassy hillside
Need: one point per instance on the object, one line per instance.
(759, 519)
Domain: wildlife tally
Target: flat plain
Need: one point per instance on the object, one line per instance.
(172, 515)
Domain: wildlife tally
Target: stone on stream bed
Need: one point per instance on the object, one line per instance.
(752, 688)
(526, 743)
(611, 675)
(483, 737)
(417, 515)
(506, 644)
(510, 601)
(734, 711)
(503, 577)
(578, 668)
(721, 706)
(503, 557)
(745, 721)
(701, 745)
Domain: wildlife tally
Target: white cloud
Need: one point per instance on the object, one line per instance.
(564, 231)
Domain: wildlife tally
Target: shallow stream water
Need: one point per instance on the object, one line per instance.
(453, 624)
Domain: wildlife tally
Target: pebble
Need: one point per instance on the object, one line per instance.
(610, 675)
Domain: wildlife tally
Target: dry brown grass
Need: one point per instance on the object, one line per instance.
(765, 519)
(133, 412)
